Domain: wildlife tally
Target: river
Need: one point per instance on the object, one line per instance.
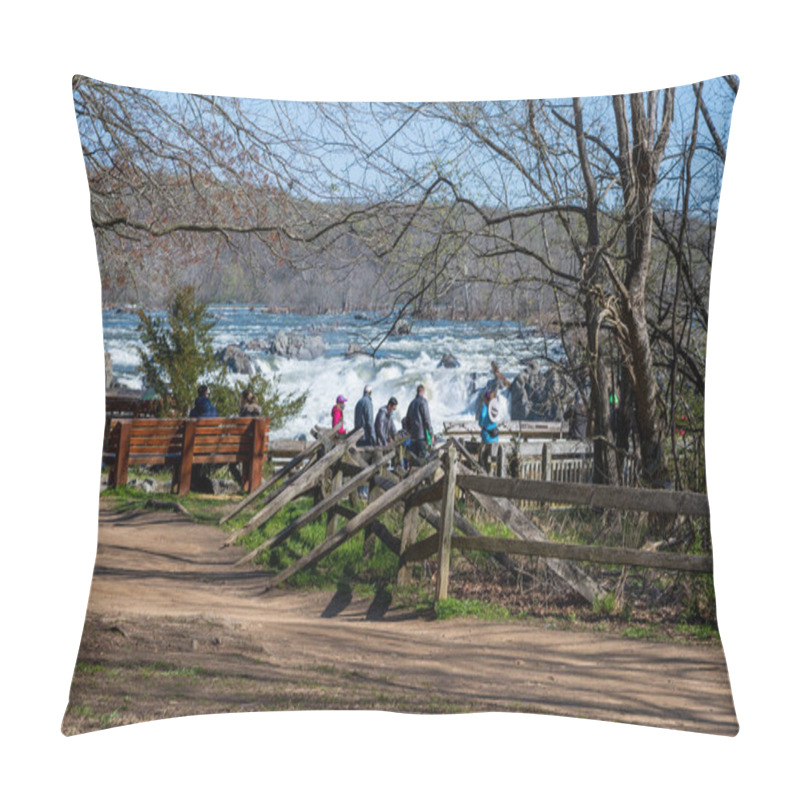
(402, 362)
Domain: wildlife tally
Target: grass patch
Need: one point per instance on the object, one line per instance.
(640, 632)
(345, 566)
(605, 604)
(202, 508)
(702, 631)
(90, 669)
(453, 607)
(161, 669)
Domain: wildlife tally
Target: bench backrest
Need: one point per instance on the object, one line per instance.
(222, 440)
(152, 441)
(185, 442)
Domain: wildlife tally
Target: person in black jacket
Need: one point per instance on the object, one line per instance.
(418, 421)
(203, 406)
(384, 426)
(364, 418)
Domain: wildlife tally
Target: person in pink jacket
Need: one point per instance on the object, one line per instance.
(337, 415)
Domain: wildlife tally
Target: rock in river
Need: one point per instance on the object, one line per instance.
(449, 361)
(235, 359)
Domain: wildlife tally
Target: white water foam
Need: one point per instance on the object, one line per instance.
(403, 362)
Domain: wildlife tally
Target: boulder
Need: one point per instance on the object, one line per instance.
(279, 346)
(538, 395)
(312, 347)
(401, 328)
(354, 349)
(235, 360)
(149, 485)
(449, 361)
(223, 486)
(255, 344)
(295, 345)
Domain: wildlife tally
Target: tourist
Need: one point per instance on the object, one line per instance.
(202, 405)
(418, 420)
(490, 413)
(249, 407)
(364, 417)
(384, 425)
(578, 418)
(337, 415)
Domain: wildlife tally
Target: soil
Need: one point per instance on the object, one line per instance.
(174, 629)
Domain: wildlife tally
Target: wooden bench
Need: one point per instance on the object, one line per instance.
(181, 443)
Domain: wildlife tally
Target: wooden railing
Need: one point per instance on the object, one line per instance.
(522, 430)
(623, 498)
(559, 461)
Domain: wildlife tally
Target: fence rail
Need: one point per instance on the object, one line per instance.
(523, 429)
(557, 460)
(614, 497)
(623, 498)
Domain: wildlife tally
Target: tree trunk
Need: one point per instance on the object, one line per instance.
(639, 159)
(605, 464)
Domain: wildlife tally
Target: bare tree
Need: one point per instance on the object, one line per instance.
(597, 212)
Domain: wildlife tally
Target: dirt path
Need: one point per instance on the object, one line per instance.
(173, 629)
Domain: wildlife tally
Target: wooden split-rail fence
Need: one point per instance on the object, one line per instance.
(333, 469)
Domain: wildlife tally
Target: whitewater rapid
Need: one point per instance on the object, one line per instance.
(402, 363)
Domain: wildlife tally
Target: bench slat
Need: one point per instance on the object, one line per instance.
(217, 458)
(221, 439)
(154, 450)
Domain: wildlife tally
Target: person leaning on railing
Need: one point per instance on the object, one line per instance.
(418, 420)
(490, 413)
(384, 426)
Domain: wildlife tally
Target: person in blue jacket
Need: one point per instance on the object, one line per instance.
(203, 406)
(490, 413)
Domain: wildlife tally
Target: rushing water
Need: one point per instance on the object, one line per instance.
(402, 362)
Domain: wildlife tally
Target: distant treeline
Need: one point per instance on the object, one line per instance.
(337, 274)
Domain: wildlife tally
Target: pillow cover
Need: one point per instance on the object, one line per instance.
(404, 406)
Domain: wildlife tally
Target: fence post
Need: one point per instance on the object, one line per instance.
(255, 472)
(187, 456)
(408, 537)
(547, 462)
(547, 466)
(123, 453)
(446, 527)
